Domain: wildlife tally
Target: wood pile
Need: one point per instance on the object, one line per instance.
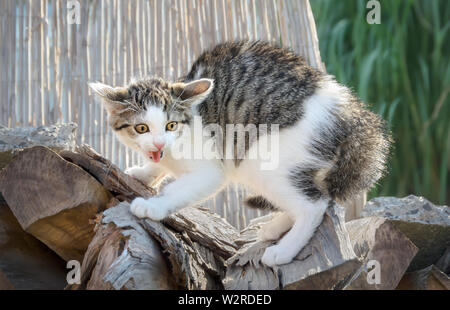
(64, 205)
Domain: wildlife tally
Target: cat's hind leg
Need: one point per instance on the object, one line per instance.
(278, 225)
(307, 217)
(300, 198)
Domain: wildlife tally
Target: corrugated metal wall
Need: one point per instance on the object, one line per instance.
(46, 62)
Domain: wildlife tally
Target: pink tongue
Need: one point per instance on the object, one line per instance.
(156, 156)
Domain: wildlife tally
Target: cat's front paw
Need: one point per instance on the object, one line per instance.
(152, 208)
(140, 173)
(278, 255)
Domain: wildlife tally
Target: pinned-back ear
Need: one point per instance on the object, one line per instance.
(193, 92)
(114, 97)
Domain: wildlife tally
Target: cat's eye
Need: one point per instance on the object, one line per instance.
(171, 126)
(141, 128)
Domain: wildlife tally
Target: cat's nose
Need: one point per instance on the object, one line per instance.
(159, 145)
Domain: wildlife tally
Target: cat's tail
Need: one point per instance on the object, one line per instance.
(259, 202)
(361, 157)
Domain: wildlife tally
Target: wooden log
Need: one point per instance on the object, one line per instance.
(26, 262)
(444, 262)
(206, 228)
(130, 253)
(4, 283)
(191, 249)
(195, 241)
(123, 258)
(377, 239)
(123, 186)
(354, 206)
(425, 224)
(430, 278)
(53, 199)
(326, 262)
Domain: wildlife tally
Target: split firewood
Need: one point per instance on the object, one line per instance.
(444, 262)
(77, 203)
(381, 245)
(188, 251)
(430, 278)
(123, 186)
(425, 224)
(53, 200)
(25, 261)
(4, 283)
(327, 261)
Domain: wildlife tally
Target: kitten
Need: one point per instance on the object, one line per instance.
(329, 146)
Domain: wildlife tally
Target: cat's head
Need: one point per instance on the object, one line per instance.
(149, 114)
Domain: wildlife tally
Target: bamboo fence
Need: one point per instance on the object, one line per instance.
(46, 62)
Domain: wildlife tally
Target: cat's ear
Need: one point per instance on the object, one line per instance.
(193, 92)
(113, 97)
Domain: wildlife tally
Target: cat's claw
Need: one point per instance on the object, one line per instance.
(151, 208)
(277, 255)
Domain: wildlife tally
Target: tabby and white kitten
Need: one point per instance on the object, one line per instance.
(330, 147)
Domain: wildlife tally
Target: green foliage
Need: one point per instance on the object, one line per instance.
(401, 69)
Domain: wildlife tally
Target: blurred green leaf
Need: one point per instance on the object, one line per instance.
(402, 68)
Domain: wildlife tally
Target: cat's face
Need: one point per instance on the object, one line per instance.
(149, 114)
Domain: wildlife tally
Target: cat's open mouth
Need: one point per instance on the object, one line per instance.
(156, 156)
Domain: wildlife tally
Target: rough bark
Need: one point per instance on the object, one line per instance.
(326, 262)
(123, 256)
(375, 238)
(109, 175)
(129, 253)
(53, 199)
